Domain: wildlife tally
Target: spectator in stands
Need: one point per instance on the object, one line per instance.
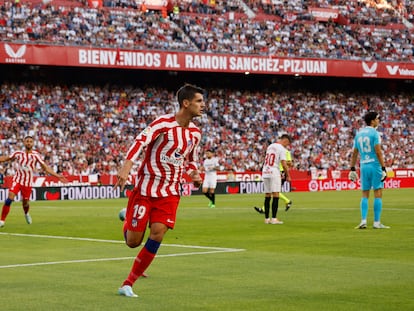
(73, 125)
(208, 28)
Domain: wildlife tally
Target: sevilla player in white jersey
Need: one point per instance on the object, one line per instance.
(170, 145)
(272, 183)
(211, 165)
(22, 180)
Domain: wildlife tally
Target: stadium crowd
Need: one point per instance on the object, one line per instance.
(78, 127)
(203, 28)
(84, 129)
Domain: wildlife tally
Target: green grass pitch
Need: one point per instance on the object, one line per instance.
(72, 257)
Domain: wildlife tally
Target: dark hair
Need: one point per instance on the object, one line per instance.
(188, 92)
(286, 136)
(370, 116)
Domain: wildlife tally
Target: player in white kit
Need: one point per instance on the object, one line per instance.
(211, 165)
(275, 155)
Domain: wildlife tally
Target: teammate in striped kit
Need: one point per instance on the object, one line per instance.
(22, 180)
(170, 145)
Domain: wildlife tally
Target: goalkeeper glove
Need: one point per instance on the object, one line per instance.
(383, 174)
(353, 174)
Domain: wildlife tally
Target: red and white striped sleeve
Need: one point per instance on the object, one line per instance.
(149, 134)
(193, 157)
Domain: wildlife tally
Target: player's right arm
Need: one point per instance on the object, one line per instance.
(123, 174)
(353, 174)
(141, 141)
(132, 154)
(354, 157)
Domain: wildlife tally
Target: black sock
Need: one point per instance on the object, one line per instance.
(213, 198)
(275, 205)
(267, 206)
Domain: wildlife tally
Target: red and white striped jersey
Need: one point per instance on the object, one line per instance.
(169, 151)
(27, 166)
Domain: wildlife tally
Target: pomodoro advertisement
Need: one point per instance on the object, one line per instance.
(93, 192)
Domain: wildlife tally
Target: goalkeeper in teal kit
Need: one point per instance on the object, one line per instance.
(367, 144)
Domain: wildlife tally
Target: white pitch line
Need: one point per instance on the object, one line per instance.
(111, 241)
(63, 262)
(110, 259)
(61, 237)
(213, 250)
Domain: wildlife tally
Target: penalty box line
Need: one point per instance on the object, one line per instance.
(209, 250)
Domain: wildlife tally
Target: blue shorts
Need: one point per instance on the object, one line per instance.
(371, 177)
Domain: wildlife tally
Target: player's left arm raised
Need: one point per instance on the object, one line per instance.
(50, 171)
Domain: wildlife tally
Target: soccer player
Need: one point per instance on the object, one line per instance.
(22, 180)
(367, 144)
(288, 202)
(210, 165)
(272, 182)
(170, 145)
(1, 177)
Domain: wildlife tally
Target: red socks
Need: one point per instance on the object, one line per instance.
(142, 261)
(4, 212)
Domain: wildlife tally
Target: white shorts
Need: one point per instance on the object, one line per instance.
(210, 182)
(272, 184)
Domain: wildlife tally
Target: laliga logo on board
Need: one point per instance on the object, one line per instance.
(369, 71)
(15, 57)
(331, 184)
(313, 186)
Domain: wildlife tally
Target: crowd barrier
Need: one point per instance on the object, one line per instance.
(299, 177)
(94, 192)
